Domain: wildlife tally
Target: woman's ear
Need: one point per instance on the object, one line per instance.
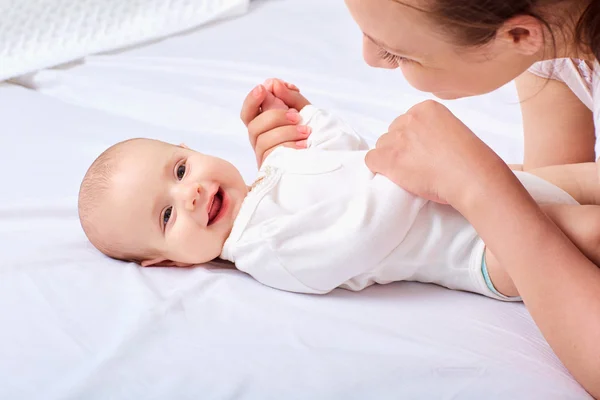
(523, 33)
(161, 262)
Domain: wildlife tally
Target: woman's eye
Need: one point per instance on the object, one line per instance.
(167, 216)
(180, 171)
(392, 58)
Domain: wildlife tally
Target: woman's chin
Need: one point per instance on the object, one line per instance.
(449, 95)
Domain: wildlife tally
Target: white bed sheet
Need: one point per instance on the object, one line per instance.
(77, 325)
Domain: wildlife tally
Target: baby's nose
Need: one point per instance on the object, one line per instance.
(191, 196)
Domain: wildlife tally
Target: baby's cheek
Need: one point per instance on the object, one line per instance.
(198, 246)
(180, 244)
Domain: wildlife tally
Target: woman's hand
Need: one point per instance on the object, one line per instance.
(270, 112)
(431, 153)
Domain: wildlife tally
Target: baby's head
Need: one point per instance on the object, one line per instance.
(155, 203)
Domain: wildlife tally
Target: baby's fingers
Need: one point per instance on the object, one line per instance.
(292, 98)
(269, 120)
(270, 83)
(272, 103)
(287, 136)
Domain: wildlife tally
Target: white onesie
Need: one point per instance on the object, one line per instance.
(318, 219)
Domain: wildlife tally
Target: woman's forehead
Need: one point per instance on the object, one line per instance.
(398, 27)
(384, 17)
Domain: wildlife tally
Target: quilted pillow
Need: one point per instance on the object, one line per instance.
(36, 34)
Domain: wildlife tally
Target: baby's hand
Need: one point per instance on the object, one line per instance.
(272, 102)
(272, 121)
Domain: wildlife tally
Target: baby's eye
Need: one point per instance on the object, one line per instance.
(180, 171)
(167, 215)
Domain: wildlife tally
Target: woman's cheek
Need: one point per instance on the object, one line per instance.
(418, 78)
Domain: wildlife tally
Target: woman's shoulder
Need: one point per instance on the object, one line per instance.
(577, 74)
(560, 68)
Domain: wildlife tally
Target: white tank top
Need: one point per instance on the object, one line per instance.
(582, 77)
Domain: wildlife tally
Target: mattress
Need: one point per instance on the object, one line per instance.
(76, 325)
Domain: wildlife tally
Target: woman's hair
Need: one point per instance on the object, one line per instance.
(475, 22)
(588, 28)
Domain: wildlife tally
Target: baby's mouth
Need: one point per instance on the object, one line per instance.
(215, 206)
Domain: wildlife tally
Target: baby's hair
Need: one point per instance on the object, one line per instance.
(93, 193)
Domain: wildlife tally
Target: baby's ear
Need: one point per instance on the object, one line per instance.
(161, 262)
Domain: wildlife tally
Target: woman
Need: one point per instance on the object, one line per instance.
(458, 48)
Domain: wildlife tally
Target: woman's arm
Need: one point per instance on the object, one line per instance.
(579, 180)
(558, 127)
(431, 153)
(559, 285)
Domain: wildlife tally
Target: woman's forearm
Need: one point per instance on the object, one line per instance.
(559, 285)
(431, 153)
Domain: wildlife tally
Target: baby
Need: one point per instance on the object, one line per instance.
(314, 220)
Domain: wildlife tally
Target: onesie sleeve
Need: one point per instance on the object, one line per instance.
(330, 132)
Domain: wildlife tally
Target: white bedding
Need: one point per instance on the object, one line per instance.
(76, 325)
(37, 34)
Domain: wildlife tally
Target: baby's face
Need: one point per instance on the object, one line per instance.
(176, 201)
